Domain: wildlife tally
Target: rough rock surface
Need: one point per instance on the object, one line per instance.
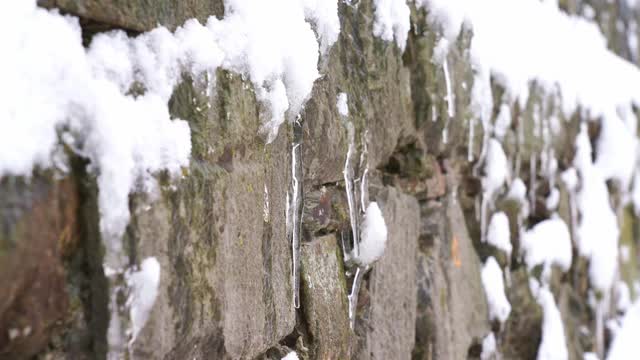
(220, 232)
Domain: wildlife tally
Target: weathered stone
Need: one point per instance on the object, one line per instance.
(452, 310)
(325, 298)
(325, 210)
(38, 226)
(219, 232)
(220, 238)
(523, 330)
(388, 324)
(139, 15)
(371, 73)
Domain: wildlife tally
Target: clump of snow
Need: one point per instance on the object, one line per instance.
(518, 190)
(498, 233)
(617, 148)
(496, 170)
(52, 83)
(597, 232)
(590, 356)
(570, 179)
(324, 14)
(392, 20)
(499, 307)
(553, 345)
(552, 201)
(521, 55)
(144, 290)
(373, 237)
(623, 296)
(342, 104)
(291, 356)
(488, 347)
(280, 57)
(503, 121)
(109, 103)
(547, 243)
(625, 343)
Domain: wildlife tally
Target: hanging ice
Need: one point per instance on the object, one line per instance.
(296, 209)
(348, 173)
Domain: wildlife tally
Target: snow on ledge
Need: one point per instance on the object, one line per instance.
(493, 283)
(56, 91)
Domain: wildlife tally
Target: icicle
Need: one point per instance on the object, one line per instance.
(472, 125)
(118, 316)
(532, 181)
(296, 208)
(434, 114)
(353, 297)
(287, 210)
(450, 98)
(115, 266)
(265, 206)
(484, 215)
(349, 186)
(209, 85)
(445, 132)
(520, 146)
(450, 101)
(364, 181)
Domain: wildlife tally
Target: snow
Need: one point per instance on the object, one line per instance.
(625, 343)
(324, 14)
(373, 238)
(51, 83)
(521, 55)
(597, 232)
(625, 253)
(342, 104)
(144, 291)
(589, 356)
(547, 243)
(440, 57)
(291, 356)
(499, 307)
(617, 149)
(498, 233)
(392, 20)
(488, 347)
(518, 190)
(623, 296)
(570, 179)
(58, 93)
(635, 193)
(503, 121)
(553, 57)
(496, 170)
(128, 138)
(553, 345)
(280, 57)
(553, 200)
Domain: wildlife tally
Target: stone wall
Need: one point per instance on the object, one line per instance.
(220, 232)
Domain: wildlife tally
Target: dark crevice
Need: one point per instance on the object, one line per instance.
(94, 286)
